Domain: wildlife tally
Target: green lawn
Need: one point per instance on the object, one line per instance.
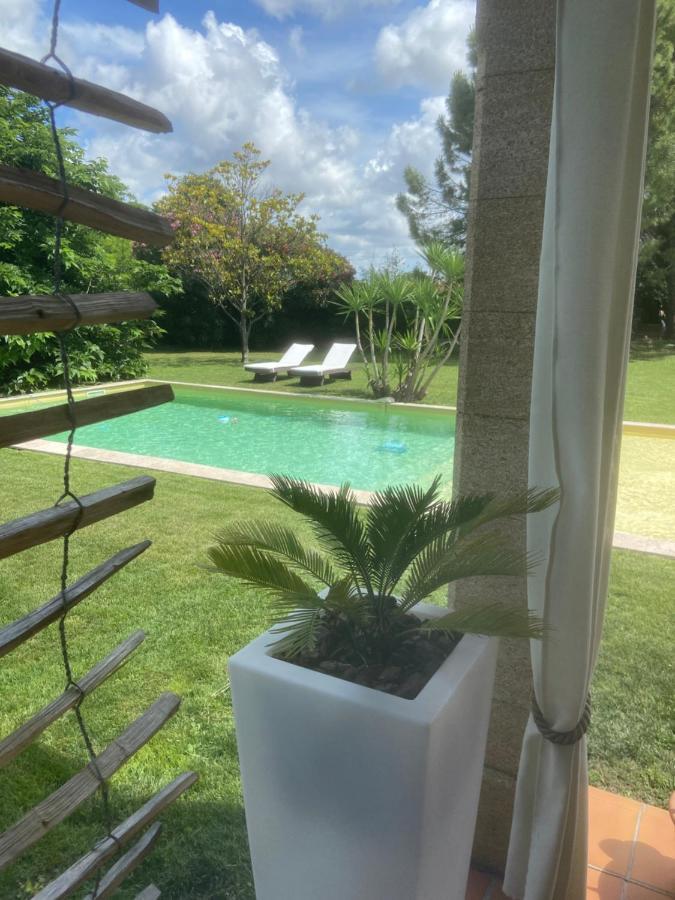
(194, 621)
(650, 394)
(631, 746)
(225, 368)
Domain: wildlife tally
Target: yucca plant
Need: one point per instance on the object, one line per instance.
(407, 323)
(348, 603)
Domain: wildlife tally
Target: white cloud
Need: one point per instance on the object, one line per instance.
(115, 40)
(413, 142)
(295, 36)
(428, 46)
(325, 9)
(20, 27)
(222, 85)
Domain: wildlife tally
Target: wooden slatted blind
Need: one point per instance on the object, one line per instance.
(23, 315)
(26, 426)
(44, 81)
(23, 187)
(29, 315)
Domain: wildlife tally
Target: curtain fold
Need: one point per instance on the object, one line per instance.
(586, 281)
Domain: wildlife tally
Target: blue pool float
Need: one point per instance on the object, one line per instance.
(393, 447)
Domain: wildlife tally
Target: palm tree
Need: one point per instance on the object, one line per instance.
(355, 599)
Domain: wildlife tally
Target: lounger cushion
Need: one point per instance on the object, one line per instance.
(336, 361)
(263, 367)
(292, 357)
(314, 370)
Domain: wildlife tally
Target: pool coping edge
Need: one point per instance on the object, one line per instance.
(621, 540)
(640, 429)
(173, 466)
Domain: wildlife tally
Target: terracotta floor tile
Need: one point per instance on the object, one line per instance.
(637, 892)
(478, 885)
(613, 847)
(603, 886)
(611, 830)
(654, 861)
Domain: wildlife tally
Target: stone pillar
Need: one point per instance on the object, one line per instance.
(516, 50)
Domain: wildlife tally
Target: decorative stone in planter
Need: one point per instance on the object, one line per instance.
(355, 794)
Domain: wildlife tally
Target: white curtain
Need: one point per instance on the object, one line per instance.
(588, 258)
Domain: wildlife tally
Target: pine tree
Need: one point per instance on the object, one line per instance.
(438, 212)
(656, 267)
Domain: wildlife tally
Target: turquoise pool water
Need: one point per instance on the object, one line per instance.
(369, 445)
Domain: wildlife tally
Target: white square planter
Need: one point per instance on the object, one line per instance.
(354, 794)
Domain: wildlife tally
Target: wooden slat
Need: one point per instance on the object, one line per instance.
(43, 81)
(150, 5)
(126, 864)
(39, 423)
(20, 630)
(68, 882)
(22, 187)
(41, 312)
(151, 892)
(18, 740)
(66, 799)
(54, 522)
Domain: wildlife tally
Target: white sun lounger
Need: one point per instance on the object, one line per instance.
(333, 366)
(268, 371)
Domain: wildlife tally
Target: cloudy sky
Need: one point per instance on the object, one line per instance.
(341, 95)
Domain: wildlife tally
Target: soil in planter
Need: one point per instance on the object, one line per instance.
(405, 673)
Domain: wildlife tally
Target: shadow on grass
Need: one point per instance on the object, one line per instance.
(651, 349)
(186, 359)
(202, 851)
(240, 378)
(293, 384)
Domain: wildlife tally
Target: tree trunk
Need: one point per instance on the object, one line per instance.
(244, 331)
(669, 305)
(669, 259)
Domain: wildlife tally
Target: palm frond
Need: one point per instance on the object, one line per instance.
(443, 260)
(447, 515)
(301, 615)
(345, 599)
(492, 620)
(528, 501)
(397, 289)
(426, 296)
(393, 515)
(282, 604)
(439, 520)
(448, 560)
(335, 520)
(298, 631)
(258, 568)
(277, 539)
(353, 298)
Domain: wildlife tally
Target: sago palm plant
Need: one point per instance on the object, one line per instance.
(350, 600)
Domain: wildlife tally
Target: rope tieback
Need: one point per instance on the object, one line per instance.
(563, 738)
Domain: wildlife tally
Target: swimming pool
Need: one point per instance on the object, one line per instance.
(326, 441)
